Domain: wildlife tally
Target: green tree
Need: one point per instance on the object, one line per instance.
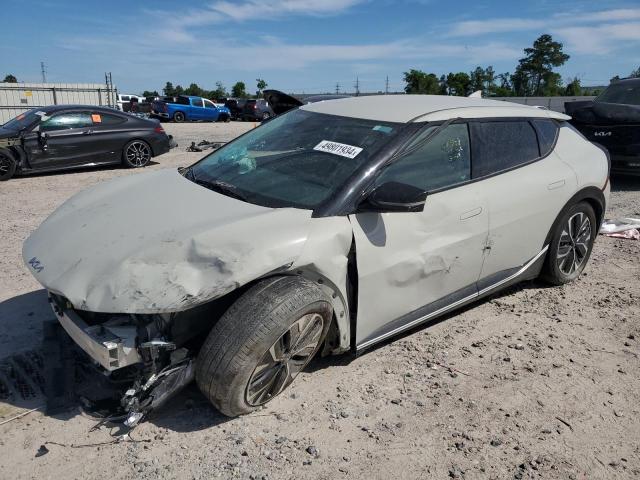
(261, 85)
(459, 84)
(536, 67)
(574, 88)
(148, 93)
(418, 81)
(239, 90)
(194, 90)
(178, 91)
(219, 93)
(634, 74)
(10, 79)
(169, 90)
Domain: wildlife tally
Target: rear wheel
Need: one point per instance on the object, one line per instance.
(7, 166)
(179, 117)
(136, 154)
(259, 346)
(570, 245)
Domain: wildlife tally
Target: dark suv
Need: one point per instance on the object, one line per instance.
(257, 110)
(235, 106)
(613, 120)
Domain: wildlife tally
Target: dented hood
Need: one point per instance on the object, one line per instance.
(157, 242)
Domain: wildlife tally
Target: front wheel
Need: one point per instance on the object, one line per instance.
(259, 346)
(178, 117)
(136, 154)
(8, 166)
(570, 245)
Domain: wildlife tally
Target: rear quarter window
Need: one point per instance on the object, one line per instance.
(547, 131)
(501, 145)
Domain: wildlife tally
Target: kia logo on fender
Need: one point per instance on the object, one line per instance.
(36, 265)
(602, 134)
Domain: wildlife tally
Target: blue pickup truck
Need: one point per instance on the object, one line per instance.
(184, 108)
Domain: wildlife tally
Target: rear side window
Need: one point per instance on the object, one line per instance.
(442, 162)
(100, 118)
(547, 131)
(500, 146)
(64, 121)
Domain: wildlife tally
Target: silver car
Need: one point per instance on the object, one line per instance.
(331, 228)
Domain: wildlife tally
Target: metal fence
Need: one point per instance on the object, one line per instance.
(16, 98)
(552, 103)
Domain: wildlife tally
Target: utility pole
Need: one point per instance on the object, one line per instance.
(42, 70)
(357, 85)
(386, 86)
(337, 89)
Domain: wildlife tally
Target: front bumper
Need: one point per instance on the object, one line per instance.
(112, 347)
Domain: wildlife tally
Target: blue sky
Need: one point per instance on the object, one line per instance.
(306, 45)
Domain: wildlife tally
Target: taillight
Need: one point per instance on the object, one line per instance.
(159, 129)
(255, 107)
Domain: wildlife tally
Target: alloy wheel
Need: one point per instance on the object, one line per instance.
(138, 154)
(285, 359)
(5, 165)
(574, 244)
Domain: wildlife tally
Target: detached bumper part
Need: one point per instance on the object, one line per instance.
(113, 347)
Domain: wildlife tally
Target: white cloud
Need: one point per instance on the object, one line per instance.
(601, 39)
(252, 9)
(494, 25)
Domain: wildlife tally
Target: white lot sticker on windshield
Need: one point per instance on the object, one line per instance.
(336, 148)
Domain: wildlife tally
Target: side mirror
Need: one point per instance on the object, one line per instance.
(394, 197)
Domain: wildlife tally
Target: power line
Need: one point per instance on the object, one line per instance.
(386, 86)
(43, 71)
(337, 89)
(357, 85)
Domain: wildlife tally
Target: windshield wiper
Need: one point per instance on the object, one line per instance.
(220, 187)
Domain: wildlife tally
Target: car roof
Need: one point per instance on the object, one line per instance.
(627, 81)
(94, 108)
(423, 108)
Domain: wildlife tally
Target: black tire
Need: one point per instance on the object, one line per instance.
(179, 117)
(136, 154)
(571, 245)
(259, 321)
(8, 166)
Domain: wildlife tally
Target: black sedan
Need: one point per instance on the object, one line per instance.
(73, 136)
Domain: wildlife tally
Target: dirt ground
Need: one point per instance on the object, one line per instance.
(535, 382)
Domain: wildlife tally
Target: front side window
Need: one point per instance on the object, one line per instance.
(196, 102)
(499, 146)
(296, 160)
(441, 162)
(209, 104)
(66, 121)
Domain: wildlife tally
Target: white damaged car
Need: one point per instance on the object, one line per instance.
(328, 229)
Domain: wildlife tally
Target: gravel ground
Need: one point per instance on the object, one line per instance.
(535, 382)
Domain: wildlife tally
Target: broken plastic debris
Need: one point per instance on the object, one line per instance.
(621, 228)
(133, 419)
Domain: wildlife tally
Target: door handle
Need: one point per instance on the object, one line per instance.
(470, 213)
(87, 132)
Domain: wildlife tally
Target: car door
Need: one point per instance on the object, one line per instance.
(527, 185)
(412, 264)
(210, 111)
(196, 110)
(66, 140)
(109, 136)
